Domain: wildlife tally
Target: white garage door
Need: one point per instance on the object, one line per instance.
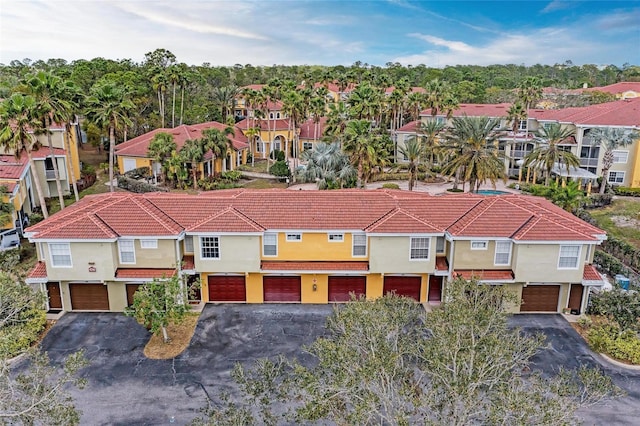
(129, 164)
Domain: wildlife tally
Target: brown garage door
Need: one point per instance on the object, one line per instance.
(403, 286)
(227, 288)
(540, 298)
(89, 297)
(282, 289)
(340, 288)
(131, 289)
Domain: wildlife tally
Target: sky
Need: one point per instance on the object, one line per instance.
(327, 32)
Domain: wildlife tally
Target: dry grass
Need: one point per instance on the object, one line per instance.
(180, 336)
(264, 184)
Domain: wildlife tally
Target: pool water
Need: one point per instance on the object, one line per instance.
(491, 192)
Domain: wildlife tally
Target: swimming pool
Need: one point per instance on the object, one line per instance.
(491, 192)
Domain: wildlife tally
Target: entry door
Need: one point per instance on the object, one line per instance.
(55, 298)
(435, 288)
(575, 297)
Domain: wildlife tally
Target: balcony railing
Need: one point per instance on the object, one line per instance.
(586, 162)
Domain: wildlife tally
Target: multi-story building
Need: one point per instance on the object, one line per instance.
(134, 153)
(253, 246)
(621, 114)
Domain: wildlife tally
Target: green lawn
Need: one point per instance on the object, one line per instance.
(621, 219)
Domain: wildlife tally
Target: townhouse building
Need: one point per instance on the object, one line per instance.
(281, 246)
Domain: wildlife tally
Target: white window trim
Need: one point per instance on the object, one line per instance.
(339, 238)
(68, 249)
(522, 124)
(485, 242)
(578, 256)
(419, 259)
(620, 152)
(202, 247)
(353, 245)
(148, 244)
(133, 244)
(275, 235)
(495, 256)
(616, 174)
(296, 237)
(444, 245)
(188, 249)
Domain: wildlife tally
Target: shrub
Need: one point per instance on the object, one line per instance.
(277, 155)
(630, 192)
(140, 172)
(137, 186)
(9, 259)
(231, 175)
(280, 168)
(609, 339)
(35, 218)
(619, 305)
(390, 186)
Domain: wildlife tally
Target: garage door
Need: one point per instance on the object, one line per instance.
(403, 286)
(129, 164)
(540, 298)
(282, 289)
(223, 288)
(89, 297)
(131, 289)
(340, 288)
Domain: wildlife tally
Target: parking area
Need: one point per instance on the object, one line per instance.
(124, 387)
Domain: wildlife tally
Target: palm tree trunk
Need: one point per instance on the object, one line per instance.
(112, 149)
(181, 103)
(54, 161)
(173, 107)
(71, 171)
(603, 185)
(36, 181)
(194, 171)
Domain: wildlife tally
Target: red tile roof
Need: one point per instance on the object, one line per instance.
(120, 214)
(138, 273)
(38, 271)
(618, 113)
(138, 146)
(13, 168)
(188, 263)
(485, 274)
(591, 274)
(278, 124)
(618, 88)
(308, 129)
(314, 266)
(410, 127)
(476, 110)
(441, 263)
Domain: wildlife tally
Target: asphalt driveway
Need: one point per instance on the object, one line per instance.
(125, 388)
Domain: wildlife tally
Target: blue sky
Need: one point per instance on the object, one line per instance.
(266, 32)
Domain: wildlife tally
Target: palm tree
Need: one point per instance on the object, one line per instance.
(6, 207)
(529, 91)
(472, 143)
(174, 77)
(337, 119)
(515, 114)
(610, 139)
(159, 81)
(217, 141)
(48, 91)
(413, 151)
(225, 98)
(108, 107)
(430, 132)
(160, 149)
(192, 152)
(18, 123)
(364, 102)
(548, 153)
(439, 96)
(415, 104)
(328, 166)
(366, 150)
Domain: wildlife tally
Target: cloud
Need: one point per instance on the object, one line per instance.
(619, 21)
(548, 45)
(558, 5)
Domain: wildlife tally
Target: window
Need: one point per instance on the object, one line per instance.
(306, 146)
(336, 238)
(149, 244)
(60, 255)
(270, 244)
(616, 177)
(522, 125)
(259, 146)
(440, 245)
(359, 245)
(210, 247)
(441, 120)
(420, 248)
(503, 253)
(294, 237)
(127, 251)
(188, 244)
(568, 257)
(478, 245)
(620, 157)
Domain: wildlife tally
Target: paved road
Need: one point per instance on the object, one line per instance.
(125, 388)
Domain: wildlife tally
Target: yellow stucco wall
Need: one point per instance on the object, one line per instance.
(539, 263)
(634, 160)
(102, 256)
(375, 284)
(467, 258)
(254, 288)
(313, 246)
(321, 294)
(162, 257)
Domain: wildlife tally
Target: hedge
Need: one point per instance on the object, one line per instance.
(609, 339)
(630, 192)
(137, 186)
(140, 172)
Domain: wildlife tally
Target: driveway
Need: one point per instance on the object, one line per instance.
(125, 388)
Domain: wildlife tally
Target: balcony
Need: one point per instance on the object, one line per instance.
(50, 174)
(588, 162)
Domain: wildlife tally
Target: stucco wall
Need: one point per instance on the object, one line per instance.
(313, 246)
(237, 254)
(100, 256)
(539, 263)
(391, 255)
